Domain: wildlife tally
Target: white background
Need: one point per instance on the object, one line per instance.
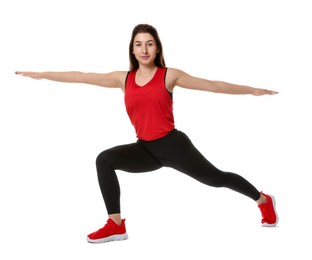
(52, 132)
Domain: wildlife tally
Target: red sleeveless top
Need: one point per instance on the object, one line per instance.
(150, 107)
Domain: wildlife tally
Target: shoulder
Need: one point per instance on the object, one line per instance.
(121, 76)
(172, 77)
(174, 71)
(175, 74)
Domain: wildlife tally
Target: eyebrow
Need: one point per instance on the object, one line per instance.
(146, 41)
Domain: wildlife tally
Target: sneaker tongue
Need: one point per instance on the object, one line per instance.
(110, 221)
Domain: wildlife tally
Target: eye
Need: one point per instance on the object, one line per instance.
(150, 44)
(137, 44)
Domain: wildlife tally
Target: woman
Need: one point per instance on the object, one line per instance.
(148, 88)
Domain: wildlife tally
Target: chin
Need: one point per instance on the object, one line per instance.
(149, 62)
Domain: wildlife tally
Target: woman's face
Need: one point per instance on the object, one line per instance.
(144, 48)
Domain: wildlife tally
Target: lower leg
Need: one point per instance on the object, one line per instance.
(129, 158)
(235, 182)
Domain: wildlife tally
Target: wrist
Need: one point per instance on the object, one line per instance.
(255, 91)
(39, 75)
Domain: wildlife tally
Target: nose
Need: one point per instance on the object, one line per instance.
(144, 49)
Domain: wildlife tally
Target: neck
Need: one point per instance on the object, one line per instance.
(146, 70)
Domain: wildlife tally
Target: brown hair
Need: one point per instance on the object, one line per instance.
(146, 28)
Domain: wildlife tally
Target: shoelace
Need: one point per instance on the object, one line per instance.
(107, 226)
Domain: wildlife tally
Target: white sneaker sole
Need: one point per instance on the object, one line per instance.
(274, 207)
(108, 239)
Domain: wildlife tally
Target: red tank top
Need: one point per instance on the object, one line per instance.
(150, 107)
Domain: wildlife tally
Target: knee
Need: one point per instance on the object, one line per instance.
(104, 159)
(216, 179)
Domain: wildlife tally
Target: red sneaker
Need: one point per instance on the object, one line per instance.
(110, 232)
(268, 211)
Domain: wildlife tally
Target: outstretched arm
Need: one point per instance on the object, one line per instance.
(182, 79)
(114, 79)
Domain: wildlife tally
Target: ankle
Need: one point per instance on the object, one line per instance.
(262, 199)
(116, 218)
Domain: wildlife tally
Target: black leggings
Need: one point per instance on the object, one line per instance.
(174, 150)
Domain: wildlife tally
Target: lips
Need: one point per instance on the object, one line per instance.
(144, 57)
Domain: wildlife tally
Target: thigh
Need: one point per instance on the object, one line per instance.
(129, 157)
(186, 158)
(177, 151)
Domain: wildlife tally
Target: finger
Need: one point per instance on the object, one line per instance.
(272, 92)
(20, 73)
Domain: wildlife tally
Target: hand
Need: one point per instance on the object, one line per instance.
(261, 92)
(34, 75)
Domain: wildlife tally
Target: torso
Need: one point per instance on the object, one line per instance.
(144, 80)
(149, 105)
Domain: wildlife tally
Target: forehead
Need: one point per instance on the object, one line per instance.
(143, 37)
